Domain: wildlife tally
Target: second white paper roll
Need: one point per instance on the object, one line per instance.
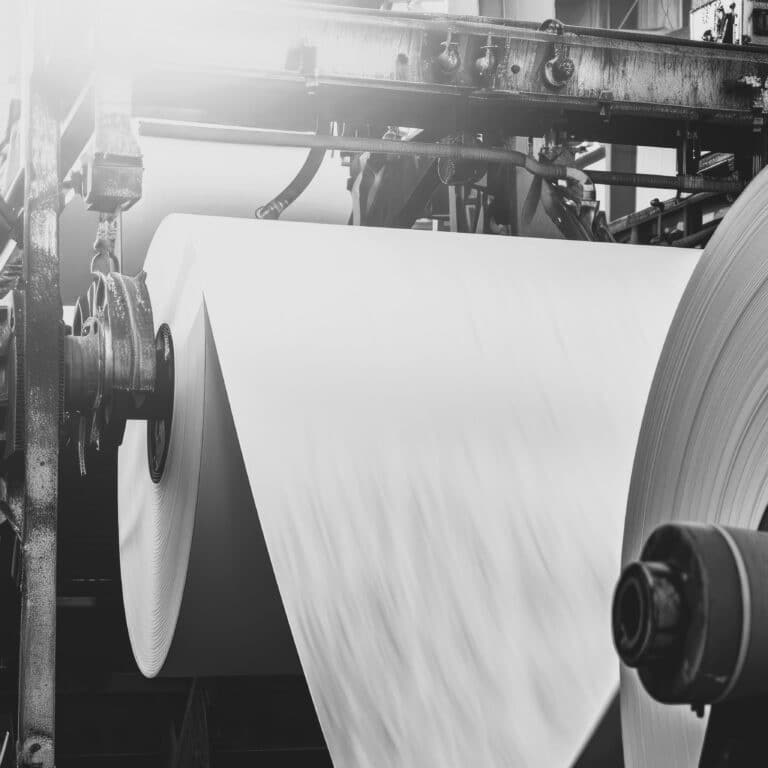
(702, 455)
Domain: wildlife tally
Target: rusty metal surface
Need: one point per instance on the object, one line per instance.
(76, 129)
(42, 330)
(272, 63)
(639, 73)
(283, 64)
(652, 72)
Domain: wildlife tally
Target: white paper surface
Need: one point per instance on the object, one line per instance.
(438, 431)
(208, 178)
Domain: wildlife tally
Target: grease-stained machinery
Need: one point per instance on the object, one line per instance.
(429, 112)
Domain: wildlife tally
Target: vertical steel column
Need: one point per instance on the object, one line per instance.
(42, 321)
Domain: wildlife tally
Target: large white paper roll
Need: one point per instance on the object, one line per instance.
(437, 431)
(703, 449)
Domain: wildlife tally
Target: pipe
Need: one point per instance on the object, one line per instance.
(297, 186)
(690, 241)
(455, 152)
(680, 183)
(592, 156)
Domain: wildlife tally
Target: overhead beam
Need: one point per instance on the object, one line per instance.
(614, 72)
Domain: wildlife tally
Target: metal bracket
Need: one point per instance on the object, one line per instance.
(485, 65)
(688, 151)
(449, 59)
(302, 58)
(112, 178)
(605, 103)
(112, 182)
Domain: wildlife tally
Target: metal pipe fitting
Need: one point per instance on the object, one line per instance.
(560, 68)
(449, 60)
(485, 65)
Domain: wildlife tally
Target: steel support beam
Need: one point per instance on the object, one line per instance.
(614, 71)
(42, 329)
(275, 64)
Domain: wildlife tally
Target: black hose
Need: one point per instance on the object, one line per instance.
(297, 186)
(680, 183)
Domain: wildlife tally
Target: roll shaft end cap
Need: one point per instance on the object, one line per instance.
(688, 614)
(647, 613)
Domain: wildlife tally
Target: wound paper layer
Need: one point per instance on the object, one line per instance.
(703, 450)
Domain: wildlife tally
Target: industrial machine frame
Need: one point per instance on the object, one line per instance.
(468, 85)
